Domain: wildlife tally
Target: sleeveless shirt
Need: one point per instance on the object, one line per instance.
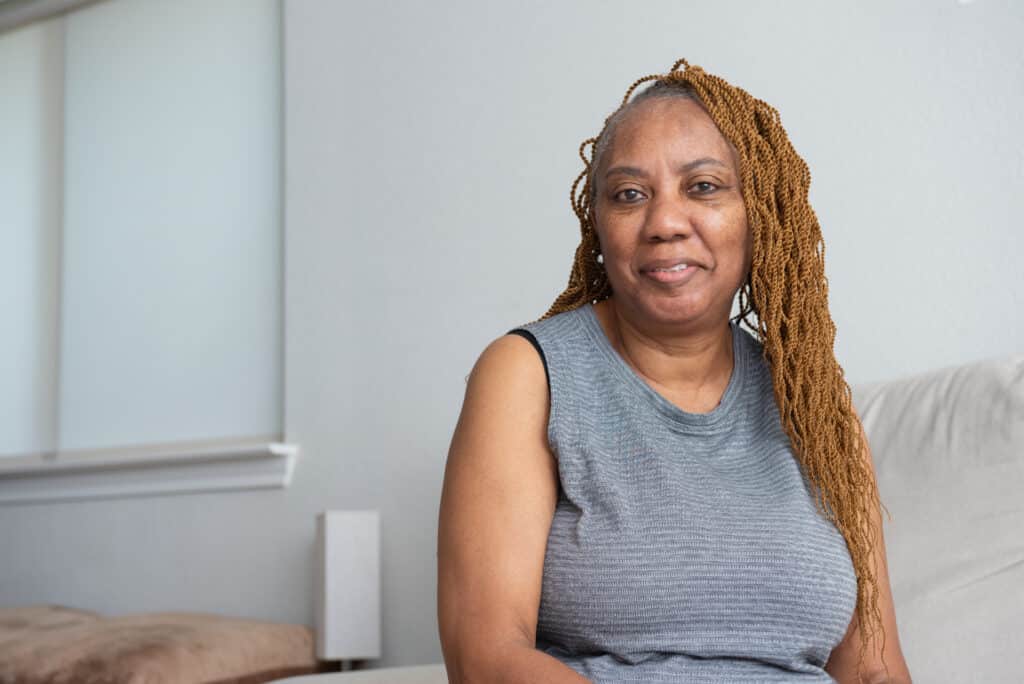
(685, 547)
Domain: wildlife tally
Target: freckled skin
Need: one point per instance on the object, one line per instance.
(666, 212)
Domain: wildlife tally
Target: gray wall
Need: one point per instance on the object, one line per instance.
(430, 148)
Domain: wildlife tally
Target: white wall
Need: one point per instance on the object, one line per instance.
(430, 148)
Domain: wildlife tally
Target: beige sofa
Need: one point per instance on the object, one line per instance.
(949, 453)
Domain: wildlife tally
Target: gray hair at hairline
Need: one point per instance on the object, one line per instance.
(658, 89)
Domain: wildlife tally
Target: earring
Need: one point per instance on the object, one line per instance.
(600, 258)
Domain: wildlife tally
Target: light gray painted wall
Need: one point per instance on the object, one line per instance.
(430, 148)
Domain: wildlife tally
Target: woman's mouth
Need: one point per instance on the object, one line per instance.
(679, 273)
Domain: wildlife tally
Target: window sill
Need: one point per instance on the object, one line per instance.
(138, 471)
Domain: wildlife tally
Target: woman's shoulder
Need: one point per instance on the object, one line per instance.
(555, 327)
(759, 386)
(511, 367)
(750, 343)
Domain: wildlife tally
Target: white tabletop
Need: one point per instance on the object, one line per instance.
(419, 674)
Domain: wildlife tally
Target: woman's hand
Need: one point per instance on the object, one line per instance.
(497, 504)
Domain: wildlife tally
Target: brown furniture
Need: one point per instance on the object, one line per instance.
(59, 645)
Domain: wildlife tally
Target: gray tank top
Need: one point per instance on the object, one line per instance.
(685, 547)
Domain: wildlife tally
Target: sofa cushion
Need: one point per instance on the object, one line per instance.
(948, 448)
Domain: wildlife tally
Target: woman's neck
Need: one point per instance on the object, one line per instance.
(694, 367)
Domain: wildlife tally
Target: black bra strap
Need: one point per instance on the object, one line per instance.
(536, 345)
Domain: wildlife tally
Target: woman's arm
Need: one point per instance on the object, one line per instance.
(842, 664)
(497, 503)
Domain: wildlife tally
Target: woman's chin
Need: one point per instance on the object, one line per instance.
(679, 310)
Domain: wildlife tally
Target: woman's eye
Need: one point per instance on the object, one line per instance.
(704, 187)
(628, 195)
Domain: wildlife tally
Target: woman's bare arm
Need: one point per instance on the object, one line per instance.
(498, 499)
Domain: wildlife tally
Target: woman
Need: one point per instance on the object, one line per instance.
(638, 489)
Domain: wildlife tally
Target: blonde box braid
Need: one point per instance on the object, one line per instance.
(787, 291)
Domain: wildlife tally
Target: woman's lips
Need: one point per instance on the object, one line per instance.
(672, 277)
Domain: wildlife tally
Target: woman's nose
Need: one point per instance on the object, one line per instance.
(668, 217)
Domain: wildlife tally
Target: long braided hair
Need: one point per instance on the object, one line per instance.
(786, 290)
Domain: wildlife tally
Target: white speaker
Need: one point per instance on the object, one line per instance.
(348, 585)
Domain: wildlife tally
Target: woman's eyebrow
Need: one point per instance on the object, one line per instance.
(703, 161)
(626, 171)
(685, 168)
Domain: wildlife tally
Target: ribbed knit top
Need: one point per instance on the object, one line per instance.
(685, 547)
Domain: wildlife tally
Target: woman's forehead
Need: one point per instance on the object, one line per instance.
(661, 126)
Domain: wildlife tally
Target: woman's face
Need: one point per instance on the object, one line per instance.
(668, 192)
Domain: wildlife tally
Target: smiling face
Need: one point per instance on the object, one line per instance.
(668, 193)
